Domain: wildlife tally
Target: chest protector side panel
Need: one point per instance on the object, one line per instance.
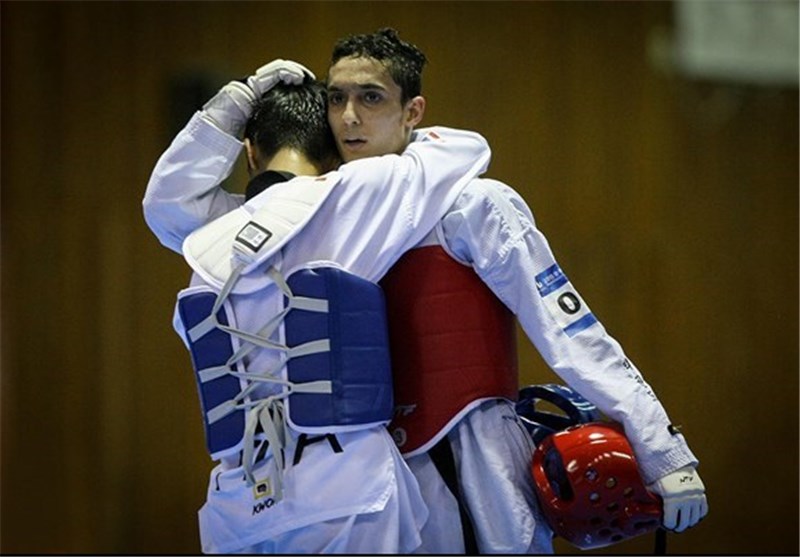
(452, 342)
(358, 363)
(212, 350)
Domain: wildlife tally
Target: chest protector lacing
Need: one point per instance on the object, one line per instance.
(453, 344)
(335, 357)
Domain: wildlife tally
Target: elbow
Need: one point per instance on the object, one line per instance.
(157, 218)
(153, 213)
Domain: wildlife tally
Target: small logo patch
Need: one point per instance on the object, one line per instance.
(262, 489)
(400, 436)
(550, 280)
(253, 236)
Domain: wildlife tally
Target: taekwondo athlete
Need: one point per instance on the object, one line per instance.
(451, 303)
(286, 328)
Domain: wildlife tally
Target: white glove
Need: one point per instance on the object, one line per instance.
(684, 497)
(268, 75)
(230, 108)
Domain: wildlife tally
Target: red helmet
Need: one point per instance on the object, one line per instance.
(589, 487)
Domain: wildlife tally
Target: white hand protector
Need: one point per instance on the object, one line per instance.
(230, 108)
(684, 498)
(268, 75)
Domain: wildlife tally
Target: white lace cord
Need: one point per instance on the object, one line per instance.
(269, 414)
(266, 412)
(211, 322)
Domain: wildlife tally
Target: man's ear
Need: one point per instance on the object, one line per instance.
(415, 110)
(253, 165)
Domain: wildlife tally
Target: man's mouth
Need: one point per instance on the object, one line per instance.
(354, 142)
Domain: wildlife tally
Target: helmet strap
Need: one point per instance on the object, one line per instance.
(661, 542)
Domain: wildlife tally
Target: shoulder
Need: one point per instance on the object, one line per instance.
(488, 218)
(487, 194)
(376, 170)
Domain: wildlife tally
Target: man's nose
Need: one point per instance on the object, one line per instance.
(350, 114)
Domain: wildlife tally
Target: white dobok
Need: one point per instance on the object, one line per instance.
(492, 229)
(285, 483)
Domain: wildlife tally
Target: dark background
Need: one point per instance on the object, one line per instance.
(670, 199)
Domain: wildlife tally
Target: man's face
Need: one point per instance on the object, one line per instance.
(365, 110)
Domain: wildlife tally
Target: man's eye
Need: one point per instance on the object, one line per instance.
(335, 99)
(372, 97)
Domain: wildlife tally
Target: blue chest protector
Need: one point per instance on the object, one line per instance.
(358, 363)
(355, 362)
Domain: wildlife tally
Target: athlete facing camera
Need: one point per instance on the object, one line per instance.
(451, 303)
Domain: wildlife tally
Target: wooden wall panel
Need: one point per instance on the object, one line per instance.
(671, 204)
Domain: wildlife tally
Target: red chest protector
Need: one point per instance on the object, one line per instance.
(452, 343)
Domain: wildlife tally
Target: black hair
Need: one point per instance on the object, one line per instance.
(293, 116)
(403, 60)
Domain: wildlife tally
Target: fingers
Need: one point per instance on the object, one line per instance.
(683, 494)
(682, 515)
(291, 76)
(297, 71)
(671, 515)
(689, 516)
(703, 509)
(287, 71)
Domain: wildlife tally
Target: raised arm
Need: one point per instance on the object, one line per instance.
(184, 191)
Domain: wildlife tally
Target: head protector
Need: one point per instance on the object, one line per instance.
(586, 477)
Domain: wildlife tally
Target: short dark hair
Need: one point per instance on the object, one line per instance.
(293, 116)
(403, 60)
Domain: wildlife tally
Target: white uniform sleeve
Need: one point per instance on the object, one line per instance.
(492, 228)
(379, 207)
(184, 190)
(383, 206)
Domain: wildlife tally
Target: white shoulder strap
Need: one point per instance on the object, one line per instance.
(251, 234)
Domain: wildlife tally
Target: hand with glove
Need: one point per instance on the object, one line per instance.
(230, 108)
(684, 498)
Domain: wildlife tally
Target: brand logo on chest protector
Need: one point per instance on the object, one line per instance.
(404, 409)
(400, 436)
(253, 236)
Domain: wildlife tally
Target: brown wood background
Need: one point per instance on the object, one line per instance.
(671, 204)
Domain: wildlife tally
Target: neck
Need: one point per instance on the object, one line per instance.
(291, 160)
